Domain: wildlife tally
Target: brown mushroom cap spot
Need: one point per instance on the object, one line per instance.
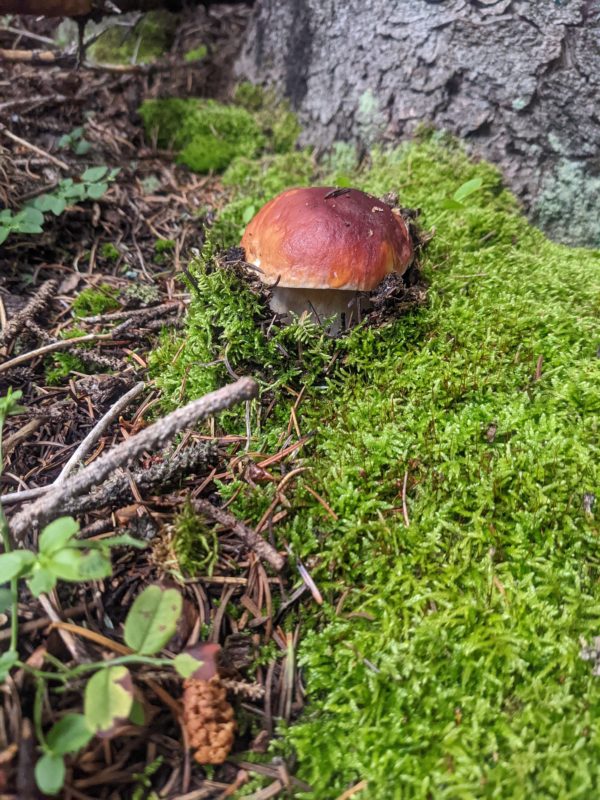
(320, 238)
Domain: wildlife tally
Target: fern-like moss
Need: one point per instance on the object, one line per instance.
(452, 669)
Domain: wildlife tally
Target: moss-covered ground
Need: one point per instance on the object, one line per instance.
(444, 662)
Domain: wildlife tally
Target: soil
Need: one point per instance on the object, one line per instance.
(109, 245)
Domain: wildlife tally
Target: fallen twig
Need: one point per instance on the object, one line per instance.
(34, 148)
(97, 431)
(62, 344)
(250, 538)
(152, 438)
(116, 491)
(33, 307)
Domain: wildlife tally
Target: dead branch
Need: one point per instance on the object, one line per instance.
(97, 431)
(61, 344)
(34, 148)
(35, 305)
(152, 438)
(250, 538)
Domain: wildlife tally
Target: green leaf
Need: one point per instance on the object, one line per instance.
(70, 564)
(50, 773)
(14, 564)
(186, 665)
(467, 189)
(50, 202)
(25, 228)
(42, 581)
(96, 190)
(108, 698)
(69, 734)
(7, 662)
(249, 212)
(123, 540)
(94, 174)
(56, 535)
(152, 619)
(6, 598)
(82, 147)
(137, 714)
(31, 216)
(4, 233)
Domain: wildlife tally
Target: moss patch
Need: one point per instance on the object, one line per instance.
(452, 669)
(96, 300)
(209, 135)
(141, 44)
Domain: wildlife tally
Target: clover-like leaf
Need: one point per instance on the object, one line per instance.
(108, 699)
(199, 661)
(152, 619)
(42, 581)
(69, 734)
(15, 563)
(56, 535)
(94, 174)
(7, 662)
(50, 773)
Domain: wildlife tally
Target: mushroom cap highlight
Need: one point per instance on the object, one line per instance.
(327, 238)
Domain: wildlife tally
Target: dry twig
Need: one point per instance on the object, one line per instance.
(152, 438)
(250, 538)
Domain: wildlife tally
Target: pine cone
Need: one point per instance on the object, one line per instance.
(208, 720)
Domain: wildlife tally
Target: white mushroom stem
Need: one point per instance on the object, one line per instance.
(322, 304)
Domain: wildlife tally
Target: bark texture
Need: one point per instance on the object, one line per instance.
(518, 80)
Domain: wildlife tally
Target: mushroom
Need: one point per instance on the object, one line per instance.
(319, 248)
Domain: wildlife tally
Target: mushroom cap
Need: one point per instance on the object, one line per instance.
(323, 238)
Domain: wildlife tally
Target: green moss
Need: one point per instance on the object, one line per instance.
(144, 43)
(197, 54)
(207, 134)
(453, 669)
(96, 300)
(60, 366)
(249, 96)
(195, 543)
(109, 252)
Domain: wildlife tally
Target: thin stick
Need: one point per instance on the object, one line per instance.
(154, 437)
(250, 538)
(404, 506)
(50, 348)
(45, 603)
(34, 148)
(42, 622)
(34, 305)
(97, 431)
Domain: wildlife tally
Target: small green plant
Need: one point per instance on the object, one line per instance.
(92, 184)
(162, 248)
(29, 220)
(109, 692)
(96, 300)
(9, 405)
(110, 252)
(197, 54)
(75, 141)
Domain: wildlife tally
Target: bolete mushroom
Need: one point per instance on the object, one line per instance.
(320, 248)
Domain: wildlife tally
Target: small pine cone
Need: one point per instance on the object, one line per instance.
(208, 720)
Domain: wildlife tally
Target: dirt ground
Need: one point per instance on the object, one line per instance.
(110, 244)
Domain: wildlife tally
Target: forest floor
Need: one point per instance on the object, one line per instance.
(431, 476)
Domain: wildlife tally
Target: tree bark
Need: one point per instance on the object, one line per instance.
(518, 80)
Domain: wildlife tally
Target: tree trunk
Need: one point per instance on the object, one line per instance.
(518, 80)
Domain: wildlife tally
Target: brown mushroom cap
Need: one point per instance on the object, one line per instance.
(320, 238)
